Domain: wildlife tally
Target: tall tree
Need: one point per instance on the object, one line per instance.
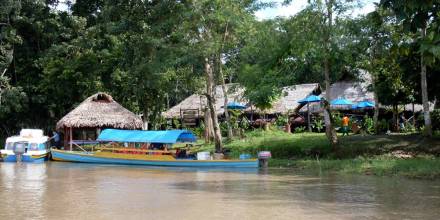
(214, 27)
(9, 11)
(327, 38)
(420, 17)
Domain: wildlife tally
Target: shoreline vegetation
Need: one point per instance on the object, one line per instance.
(407, 155)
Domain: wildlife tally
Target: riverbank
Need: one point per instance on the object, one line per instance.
(409, 155)
(427, 167)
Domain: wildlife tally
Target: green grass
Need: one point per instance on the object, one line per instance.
(370, 154)
(421, 167)
(309, 145)
(281, 144)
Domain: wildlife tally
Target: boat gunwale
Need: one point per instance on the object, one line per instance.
(159, 160)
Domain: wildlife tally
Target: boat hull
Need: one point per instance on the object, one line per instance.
(91, 158)
(26, 158)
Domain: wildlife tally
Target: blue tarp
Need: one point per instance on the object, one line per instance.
(310, 98)
(341, 101)
(136, 136)
(235, 105)
(364, 104)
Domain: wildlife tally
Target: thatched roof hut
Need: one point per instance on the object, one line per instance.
(198, 101)
(100, 111)
(357, 91)
(350, 90)
(290, 96)
(287, 102)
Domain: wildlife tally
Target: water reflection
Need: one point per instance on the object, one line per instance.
(84, 191)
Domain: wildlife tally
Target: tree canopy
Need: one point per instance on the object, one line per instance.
(150, 55)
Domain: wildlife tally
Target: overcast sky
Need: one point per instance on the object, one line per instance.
(297, 5)
(280, 10)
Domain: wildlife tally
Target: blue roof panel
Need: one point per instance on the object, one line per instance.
(310, 98)
(165, 137)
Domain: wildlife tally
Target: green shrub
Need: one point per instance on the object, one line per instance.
(368, 124)
(281, 120)
(383, 125)
(337, 119)
(300, 129)
(318, 124)
(435, 119)
(176, 123)
(280, 144)
(244, 123)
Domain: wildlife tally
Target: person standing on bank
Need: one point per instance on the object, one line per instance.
(56, 139)
(345, 122)
(402, 122)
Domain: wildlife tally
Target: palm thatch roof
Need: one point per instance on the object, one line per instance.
(357, 91)
(287, 102)
(100, 110)
(290, 96)
(198, 101)
(351, 90)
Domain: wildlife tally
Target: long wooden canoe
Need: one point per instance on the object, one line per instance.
(144, 159)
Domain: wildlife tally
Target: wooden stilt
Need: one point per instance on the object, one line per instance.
(308, 118)
(66, 138)
(414, 116)
(70, 137)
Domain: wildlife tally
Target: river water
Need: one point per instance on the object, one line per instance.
(57, 190)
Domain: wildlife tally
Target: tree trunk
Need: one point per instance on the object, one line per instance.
(225, 94)
(414, 116)
(146, 122)
(376, 109)
(211, 105)
(329, 129)
(308, 118)
(426, 116)
(208, 126)
(222, 80)
(395, 118)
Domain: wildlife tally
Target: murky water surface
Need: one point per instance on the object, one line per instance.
(83, 191)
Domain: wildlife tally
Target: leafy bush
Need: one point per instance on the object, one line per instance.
(383, 125)
(300, 129)
(435, 119)
(337, 118)
(368, 124)
(245, 124)
(281, 120)
(318, 124)
(176, 123)
(280, 144)
(224, 128)
(199, 131)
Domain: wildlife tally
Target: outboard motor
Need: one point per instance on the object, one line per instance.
(263, 159)
(19, 149)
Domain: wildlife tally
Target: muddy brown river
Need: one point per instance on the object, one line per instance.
(57, 190)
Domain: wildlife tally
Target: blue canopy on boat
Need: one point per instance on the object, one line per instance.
(164, 137)
(310, 98)
(341, 101)
(235, 105)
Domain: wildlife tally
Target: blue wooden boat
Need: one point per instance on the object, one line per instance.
(148, 160)
(148, 157)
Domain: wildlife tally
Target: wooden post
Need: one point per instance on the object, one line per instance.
(66, 138)
(70, 137)
(414, 116)
(252, 114)
(308, 118)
